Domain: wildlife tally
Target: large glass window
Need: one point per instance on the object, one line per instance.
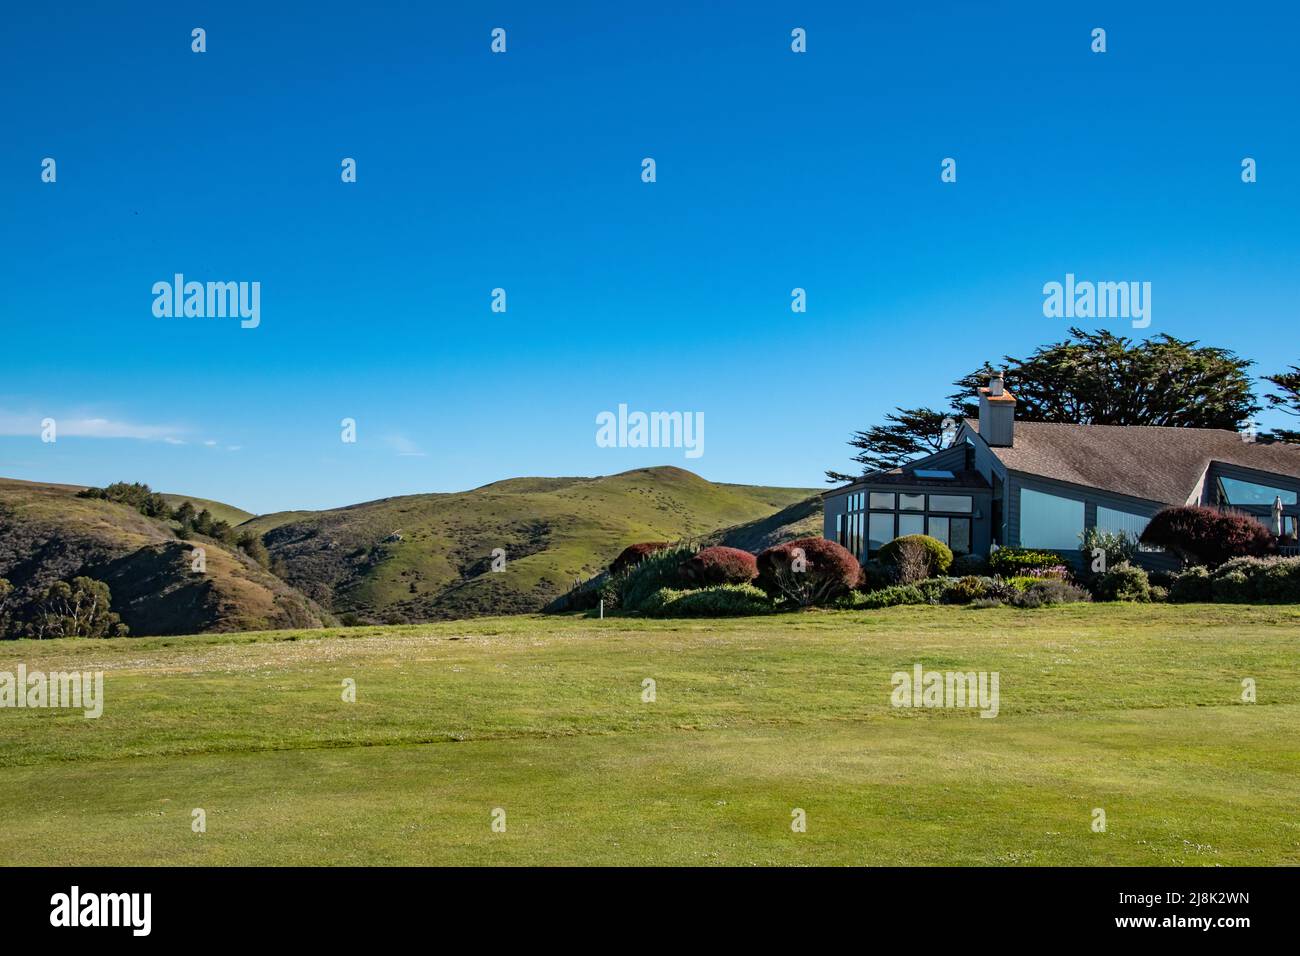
(880, 530)
(960, 503)
(1050, 521)
(883, 500)
(1121, 522)
(954, 532)
(911, 524)
(839, 531)
(911, 502)
(1234, 491)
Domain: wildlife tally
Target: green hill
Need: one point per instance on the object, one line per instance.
(49, 534)
(219, 511)
(803, 519)
(424, 557)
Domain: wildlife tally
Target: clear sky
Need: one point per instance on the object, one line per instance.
(522, 170)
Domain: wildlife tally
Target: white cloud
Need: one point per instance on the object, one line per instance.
(73, 426)
(404, 447)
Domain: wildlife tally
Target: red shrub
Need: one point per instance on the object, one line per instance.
(1206, 536)
(807, 572)
(633, 555)
(721, 566)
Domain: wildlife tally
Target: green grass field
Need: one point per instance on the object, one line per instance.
(1136, 710)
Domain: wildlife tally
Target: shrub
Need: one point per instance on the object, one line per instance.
(916, 557)
(1206, 536)
(1123, 582)
(964, 590)
(1115, 548)
(1159, 595)
(721, 565)
(1191, 587)
(1280, 582)
(634, 554)
(662, 569)
(932, 589)
(876, 576)
(1163, 579)
(1232, 588)
(969, 565)
(720, 600)
(810, 571)
(892, 596)
(1009, 562)
(1050, 591)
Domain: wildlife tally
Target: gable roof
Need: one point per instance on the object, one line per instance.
(1141, 461)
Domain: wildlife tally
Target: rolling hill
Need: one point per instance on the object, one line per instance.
(48, 534)
(427, 557)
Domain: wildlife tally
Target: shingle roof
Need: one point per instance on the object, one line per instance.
(1142, 461)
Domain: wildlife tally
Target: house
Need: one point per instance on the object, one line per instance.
(1036, 485)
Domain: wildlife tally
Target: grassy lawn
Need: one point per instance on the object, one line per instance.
(1135, 710)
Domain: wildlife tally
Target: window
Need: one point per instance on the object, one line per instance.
(1049, 521)
(880, 530)
(911, 524)
(882, 499)
(911, 502)
(1234, 491)
(960, 503)
(934, 473)
(1121, 522)
(839, 530)
(954, 532)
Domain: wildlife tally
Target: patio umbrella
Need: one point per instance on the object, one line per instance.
(1277, 516)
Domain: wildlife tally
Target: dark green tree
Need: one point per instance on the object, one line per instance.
(1091, 378)
(1285, 400)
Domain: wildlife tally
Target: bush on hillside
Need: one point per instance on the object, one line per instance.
(875, 576)
(1010, 562)
(1206, 536)
(916, 557)
(891, 596)
(634, 554)
(721, 565)
(662, 569)
(807, 572)
(719, 600)
(1256, 580)
(1112, 547)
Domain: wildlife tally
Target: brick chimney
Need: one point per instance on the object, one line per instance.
(997, 413)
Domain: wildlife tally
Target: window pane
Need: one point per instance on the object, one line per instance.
(1238, 492)
(959, 535)
(1121, 522)
(880, 530)
(911, 502)
(911, 524)
(950, 503)
(839, 529)
(939, 528)
(882, 499)
(1049, 521)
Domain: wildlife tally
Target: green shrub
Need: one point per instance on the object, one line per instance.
(1191, 587)
(1115, 547)
(1235, 587)
(916, 557)
(876, 576)
(1123, 582)
(964, 590)
(932, 589)
(892, 596)
(1159, 595)
(662, 569)
(969, 565)
(1009, 562)
(720, 600)
(1280, 582)
(1050, 591)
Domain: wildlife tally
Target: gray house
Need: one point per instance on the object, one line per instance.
(1035, 485)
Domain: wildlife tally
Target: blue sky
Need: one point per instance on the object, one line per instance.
(522, 171)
